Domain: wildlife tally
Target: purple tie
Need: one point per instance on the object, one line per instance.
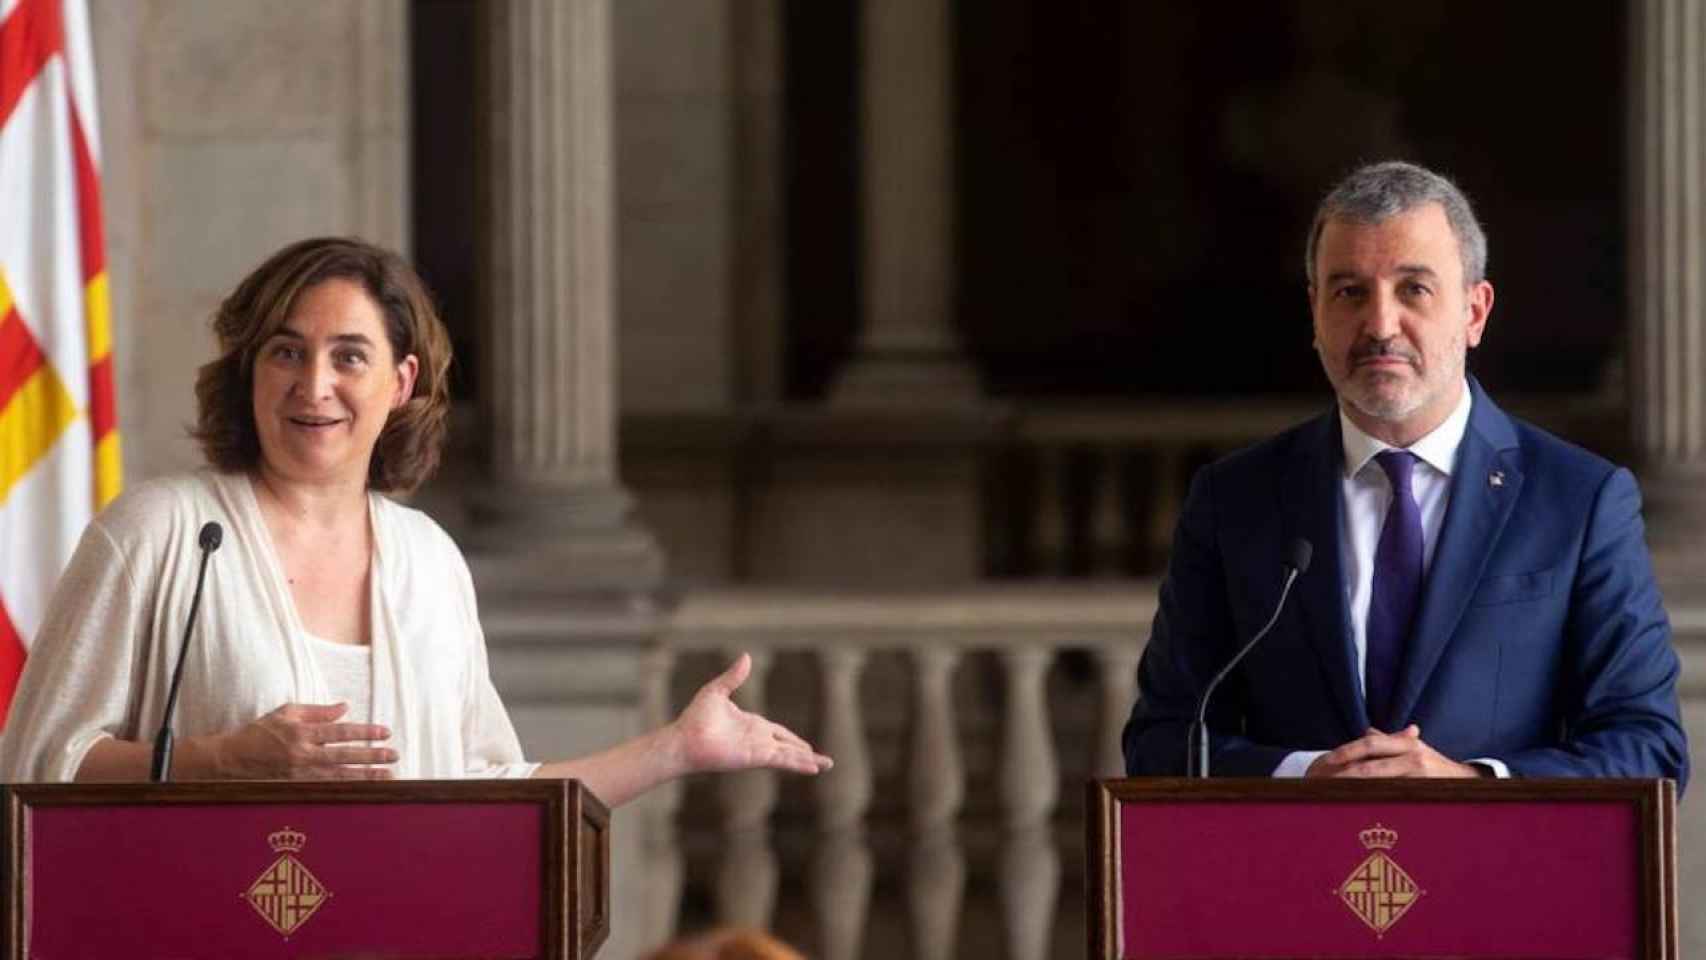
(1397, 589)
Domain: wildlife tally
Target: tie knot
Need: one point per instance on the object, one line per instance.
(1398, 464)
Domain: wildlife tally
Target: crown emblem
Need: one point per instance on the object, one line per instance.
(1376, 837)
(1378, 891)
(287, 840)
(286, 894)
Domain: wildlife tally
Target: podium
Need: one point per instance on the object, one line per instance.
(507, 868)
(1186, 869)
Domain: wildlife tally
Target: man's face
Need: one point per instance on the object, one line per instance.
(1394, 321)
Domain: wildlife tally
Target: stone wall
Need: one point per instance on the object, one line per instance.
(230, 129)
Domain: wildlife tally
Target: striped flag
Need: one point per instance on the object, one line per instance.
(59, 450)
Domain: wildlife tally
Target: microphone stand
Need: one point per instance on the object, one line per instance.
(209, 539)
(1295, 566)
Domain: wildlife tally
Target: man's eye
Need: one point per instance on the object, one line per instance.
(1345, 293)
(1416, 289)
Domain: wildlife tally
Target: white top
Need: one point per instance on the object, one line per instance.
(1365, 493)
(101, 662)
(348, 669)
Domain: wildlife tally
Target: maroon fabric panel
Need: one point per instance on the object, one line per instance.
(405, 880)
(1506, 879)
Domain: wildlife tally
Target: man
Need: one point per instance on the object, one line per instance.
(1481, 601)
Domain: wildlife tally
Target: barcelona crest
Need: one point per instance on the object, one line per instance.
(287, 894)
(1378, 891)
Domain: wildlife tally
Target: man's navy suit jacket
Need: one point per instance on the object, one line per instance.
(1541, 639)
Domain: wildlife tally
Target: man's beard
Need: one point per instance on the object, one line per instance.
(1411, 395)
(1382, 405)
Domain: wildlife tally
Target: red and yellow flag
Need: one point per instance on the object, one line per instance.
(59, 450)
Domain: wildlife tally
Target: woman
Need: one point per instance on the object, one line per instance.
(338, 635)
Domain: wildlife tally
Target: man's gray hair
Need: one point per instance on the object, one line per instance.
(1380, 191)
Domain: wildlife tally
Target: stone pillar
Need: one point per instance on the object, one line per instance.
(1667, 277)
(566, 580)
(1667, 396)
(549, 287)
(908, 351)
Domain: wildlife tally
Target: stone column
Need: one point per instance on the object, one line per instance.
(566, 580)
(549, 288)
(1667, 277)
(908, 350)
(1667, 401)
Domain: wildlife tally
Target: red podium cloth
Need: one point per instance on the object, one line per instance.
(1537, 880)
(380, 880)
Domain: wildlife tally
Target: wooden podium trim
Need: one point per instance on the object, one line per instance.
(575, 880)
(1654, 803)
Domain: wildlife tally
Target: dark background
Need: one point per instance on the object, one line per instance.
(1135, 180)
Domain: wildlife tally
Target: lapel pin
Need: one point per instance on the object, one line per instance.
(1496, 478)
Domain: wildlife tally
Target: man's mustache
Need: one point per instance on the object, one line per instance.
(1372, 349)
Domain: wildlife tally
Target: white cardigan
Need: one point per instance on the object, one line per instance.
(101, 663)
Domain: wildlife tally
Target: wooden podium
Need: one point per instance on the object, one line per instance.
(508, 868)
(1186, 869)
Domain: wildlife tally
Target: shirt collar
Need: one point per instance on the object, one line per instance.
(1438, 449)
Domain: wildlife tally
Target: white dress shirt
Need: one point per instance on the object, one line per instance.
(1365, 493)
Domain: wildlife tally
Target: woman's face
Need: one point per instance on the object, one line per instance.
(325, 384)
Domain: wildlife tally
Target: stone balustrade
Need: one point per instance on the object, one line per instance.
(1022, 629)
(1086, 489)
(1037, 490)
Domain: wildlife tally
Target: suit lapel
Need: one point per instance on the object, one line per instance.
(1310, 494)
(1485, 483)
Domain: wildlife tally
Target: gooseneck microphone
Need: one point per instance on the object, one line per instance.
(1296, 563)
(210, 537)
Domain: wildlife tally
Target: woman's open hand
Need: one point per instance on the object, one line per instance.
(304, 741)
(713, 733)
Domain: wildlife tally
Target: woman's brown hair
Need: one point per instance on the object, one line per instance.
(727, 944)
(412, 439)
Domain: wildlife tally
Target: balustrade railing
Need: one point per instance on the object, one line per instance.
(1088, 490)
(847, 881)
(1078, 489)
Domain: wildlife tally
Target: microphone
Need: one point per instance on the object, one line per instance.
(209, 539)
(1295, 565)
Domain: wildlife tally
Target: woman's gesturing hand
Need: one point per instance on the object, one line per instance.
(304, 741)
(714, 734)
